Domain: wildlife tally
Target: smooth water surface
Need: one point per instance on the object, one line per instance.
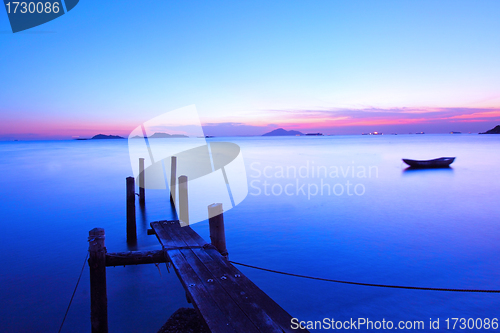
(429, 228)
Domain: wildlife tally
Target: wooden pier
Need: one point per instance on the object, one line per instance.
(223, 296)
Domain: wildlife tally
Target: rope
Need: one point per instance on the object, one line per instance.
(369, 284)
(74, 291)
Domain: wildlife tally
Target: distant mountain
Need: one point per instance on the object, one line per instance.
(282, 132)
(102, 136)
(160, 135)
(495, 130)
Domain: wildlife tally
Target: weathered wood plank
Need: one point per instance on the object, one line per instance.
(245, 295)
(179, 233)
(241, 296)
(217, 286)
(169, 242)
(273, 309)
(254, 295)
(246, 298)
(202, 300)
(215, 319)
(164, 236)
(214, 285)
(135, 258)
(197, 238)
(237, 299)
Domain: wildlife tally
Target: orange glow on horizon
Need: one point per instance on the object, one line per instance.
(305, 120)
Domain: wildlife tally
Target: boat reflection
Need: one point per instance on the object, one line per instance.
(414, 171)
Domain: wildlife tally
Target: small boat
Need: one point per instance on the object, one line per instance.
(443, 162)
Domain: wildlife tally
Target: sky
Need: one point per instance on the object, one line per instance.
(337, 67)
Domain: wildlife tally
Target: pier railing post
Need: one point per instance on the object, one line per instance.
(142, 190)
(98, 294)
(131, 222)
(183, 200)
(217, 232)
(173, 178)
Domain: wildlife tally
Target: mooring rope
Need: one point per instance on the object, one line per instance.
(368, 284)
(74, 291)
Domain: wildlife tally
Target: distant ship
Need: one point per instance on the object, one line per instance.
(455, 132)
(314, 134)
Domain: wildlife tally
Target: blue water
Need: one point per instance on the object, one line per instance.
(430, 228)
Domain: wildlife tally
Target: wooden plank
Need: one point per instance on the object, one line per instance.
(240, 295)
(234, 295)
(135, 258)
(246, 298)
(214, 285)
(215, 319)
(203, 301)
(180, 233)
(197, 238)
(273, 309)
(165, 238)
(190, 239)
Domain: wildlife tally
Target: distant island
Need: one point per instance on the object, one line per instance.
(160, 135)
(101, 137)
(283, 132)
(495, 130)
(104, 137)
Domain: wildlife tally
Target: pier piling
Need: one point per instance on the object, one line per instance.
(142, 190)
(98, 293)
(183, 200)
(131, 221)
(173, 178)
(217, 232)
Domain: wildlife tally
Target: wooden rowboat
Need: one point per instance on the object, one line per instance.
(442, 162)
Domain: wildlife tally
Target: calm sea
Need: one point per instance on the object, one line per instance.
(306, 213)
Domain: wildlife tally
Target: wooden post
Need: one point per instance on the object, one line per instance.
(173, 178)
(142, 191)
(183, 200)
(98, 295)
(217, 232)
(131, 223)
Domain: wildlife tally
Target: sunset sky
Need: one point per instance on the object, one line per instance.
(338, 67)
